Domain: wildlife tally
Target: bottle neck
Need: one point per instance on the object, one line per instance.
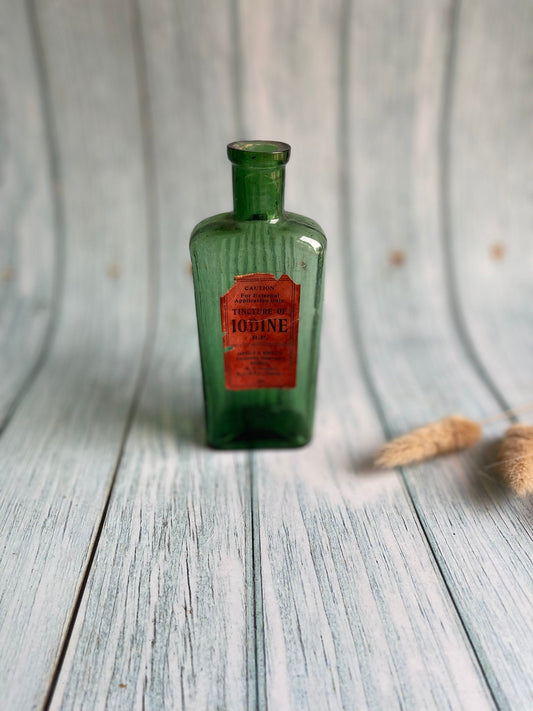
(258, 192)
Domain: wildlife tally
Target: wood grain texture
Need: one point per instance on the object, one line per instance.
(30, 274)
(354, 607)
(490, 175)
(141, 570)
(162, 474)
(167, 615)
(59, 453)
(418, 367)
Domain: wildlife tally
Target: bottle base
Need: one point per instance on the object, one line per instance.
(252, 432)
(258, 440)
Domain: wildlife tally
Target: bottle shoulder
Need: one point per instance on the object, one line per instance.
(307, 226)
(289, 226)
(223, 222)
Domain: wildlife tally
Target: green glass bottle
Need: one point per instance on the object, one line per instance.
(258, 280)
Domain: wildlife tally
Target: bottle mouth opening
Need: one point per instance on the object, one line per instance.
(259, 153)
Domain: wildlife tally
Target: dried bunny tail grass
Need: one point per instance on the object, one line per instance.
(447, 435)
(515, 459)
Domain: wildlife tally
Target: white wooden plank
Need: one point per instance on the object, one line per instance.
(417, 366)
(356, 614)
(59, 452)
(29, 273)
(166, 619)
(490, 177)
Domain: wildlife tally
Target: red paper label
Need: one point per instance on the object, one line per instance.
(260, 327)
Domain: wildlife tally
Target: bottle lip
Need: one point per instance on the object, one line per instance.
(259, 153)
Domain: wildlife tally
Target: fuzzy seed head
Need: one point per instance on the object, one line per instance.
(516, 459)
(447, 435)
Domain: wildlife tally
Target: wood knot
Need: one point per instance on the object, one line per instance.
(7, 274)
(497, 251)
(113, 271)
(396, 257)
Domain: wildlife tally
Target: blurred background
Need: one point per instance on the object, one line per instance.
(412, 141)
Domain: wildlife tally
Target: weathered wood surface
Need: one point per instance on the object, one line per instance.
(481, 536)
(138, 568)
(168, 588)
(30, 223)
(340, 553)
(490, 221)
(63, 443)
